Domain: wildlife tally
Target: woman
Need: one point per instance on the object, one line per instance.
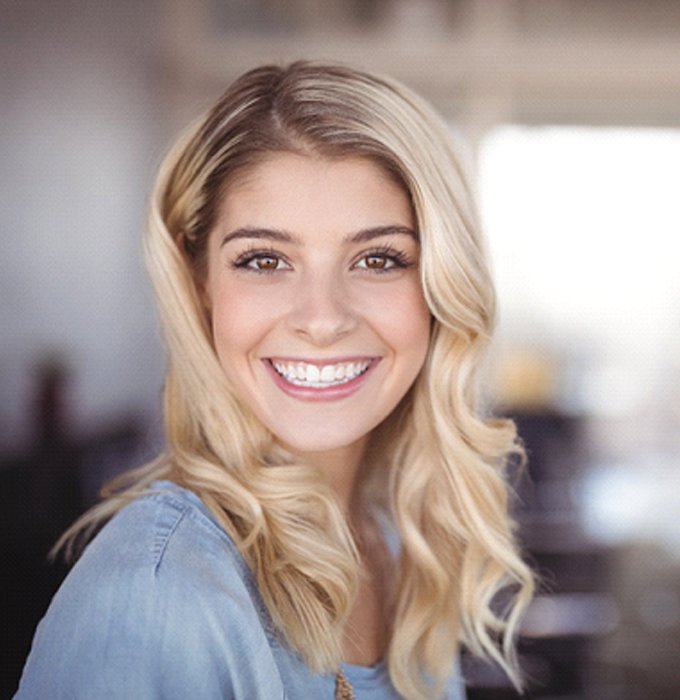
(330, 517)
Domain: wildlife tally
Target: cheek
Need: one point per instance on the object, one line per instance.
(404, 318)
(241, 316)
(232, 320)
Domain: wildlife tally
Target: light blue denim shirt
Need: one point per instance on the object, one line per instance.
(161, 606)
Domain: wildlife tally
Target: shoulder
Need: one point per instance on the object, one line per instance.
(161, 599)
(165, 543)
(155, 518)
(160, 534)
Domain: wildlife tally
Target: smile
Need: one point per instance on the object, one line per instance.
(304, 374)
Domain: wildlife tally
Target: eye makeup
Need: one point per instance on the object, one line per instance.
(380, 259)
(260, 260)
(383, 259)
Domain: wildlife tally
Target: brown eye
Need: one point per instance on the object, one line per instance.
(260, 261)
(376, 262)
(266, 262)
(383, 259)
(379, 262)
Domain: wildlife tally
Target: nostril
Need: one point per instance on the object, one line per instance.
(321, 319)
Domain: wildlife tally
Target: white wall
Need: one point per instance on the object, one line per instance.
(79, 142)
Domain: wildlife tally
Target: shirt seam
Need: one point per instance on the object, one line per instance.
(187, 509)
(192, 510)
(163, 537)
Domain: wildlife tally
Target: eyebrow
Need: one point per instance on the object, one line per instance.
(377, 231)
(362, 236)
(270, 234)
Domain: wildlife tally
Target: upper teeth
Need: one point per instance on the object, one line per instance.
(304, 374)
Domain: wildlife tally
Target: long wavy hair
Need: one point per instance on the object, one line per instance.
(437, 459)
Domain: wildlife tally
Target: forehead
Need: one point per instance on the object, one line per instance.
(353, 192)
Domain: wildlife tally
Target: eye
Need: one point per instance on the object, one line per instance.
(261, 262)
(376, 262)
(383, 260)
(264, 262)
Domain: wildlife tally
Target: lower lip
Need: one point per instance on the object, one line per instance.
(331, 393)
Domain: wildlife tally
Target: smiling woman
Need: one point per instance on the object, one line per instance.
(330, 517)
(337, 293)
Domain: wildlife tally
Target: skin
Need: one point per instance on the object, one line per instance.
(314, 261)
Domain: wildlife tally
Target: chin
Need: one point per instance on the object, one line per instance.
(308, 445)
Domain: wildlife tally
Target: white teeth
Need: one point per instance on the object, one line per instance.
(303, 374)
(328, 373)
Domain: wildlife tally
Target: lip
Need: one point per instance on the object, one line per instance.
(331, 393)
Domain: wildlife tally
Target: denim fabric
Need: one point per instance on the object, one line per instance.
(161, 606)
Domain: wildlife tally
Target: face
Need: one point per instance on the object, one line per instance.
(318, 316)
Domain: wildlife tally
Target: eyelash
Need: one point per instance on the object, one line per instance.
(243, 261)
(397, 258)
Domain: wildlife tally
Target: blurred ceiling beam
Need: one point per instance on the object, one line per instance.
(480, 71)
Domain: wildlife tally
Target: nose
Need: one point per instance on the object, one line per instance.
(322, 311)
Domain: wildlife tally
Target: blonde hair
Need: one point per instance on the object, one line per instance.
(442, 462)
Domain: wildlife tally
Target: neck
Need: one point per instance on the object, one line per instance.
(341, 468)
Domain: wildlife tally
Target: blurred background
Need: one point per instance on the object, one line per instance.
(568, 112)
